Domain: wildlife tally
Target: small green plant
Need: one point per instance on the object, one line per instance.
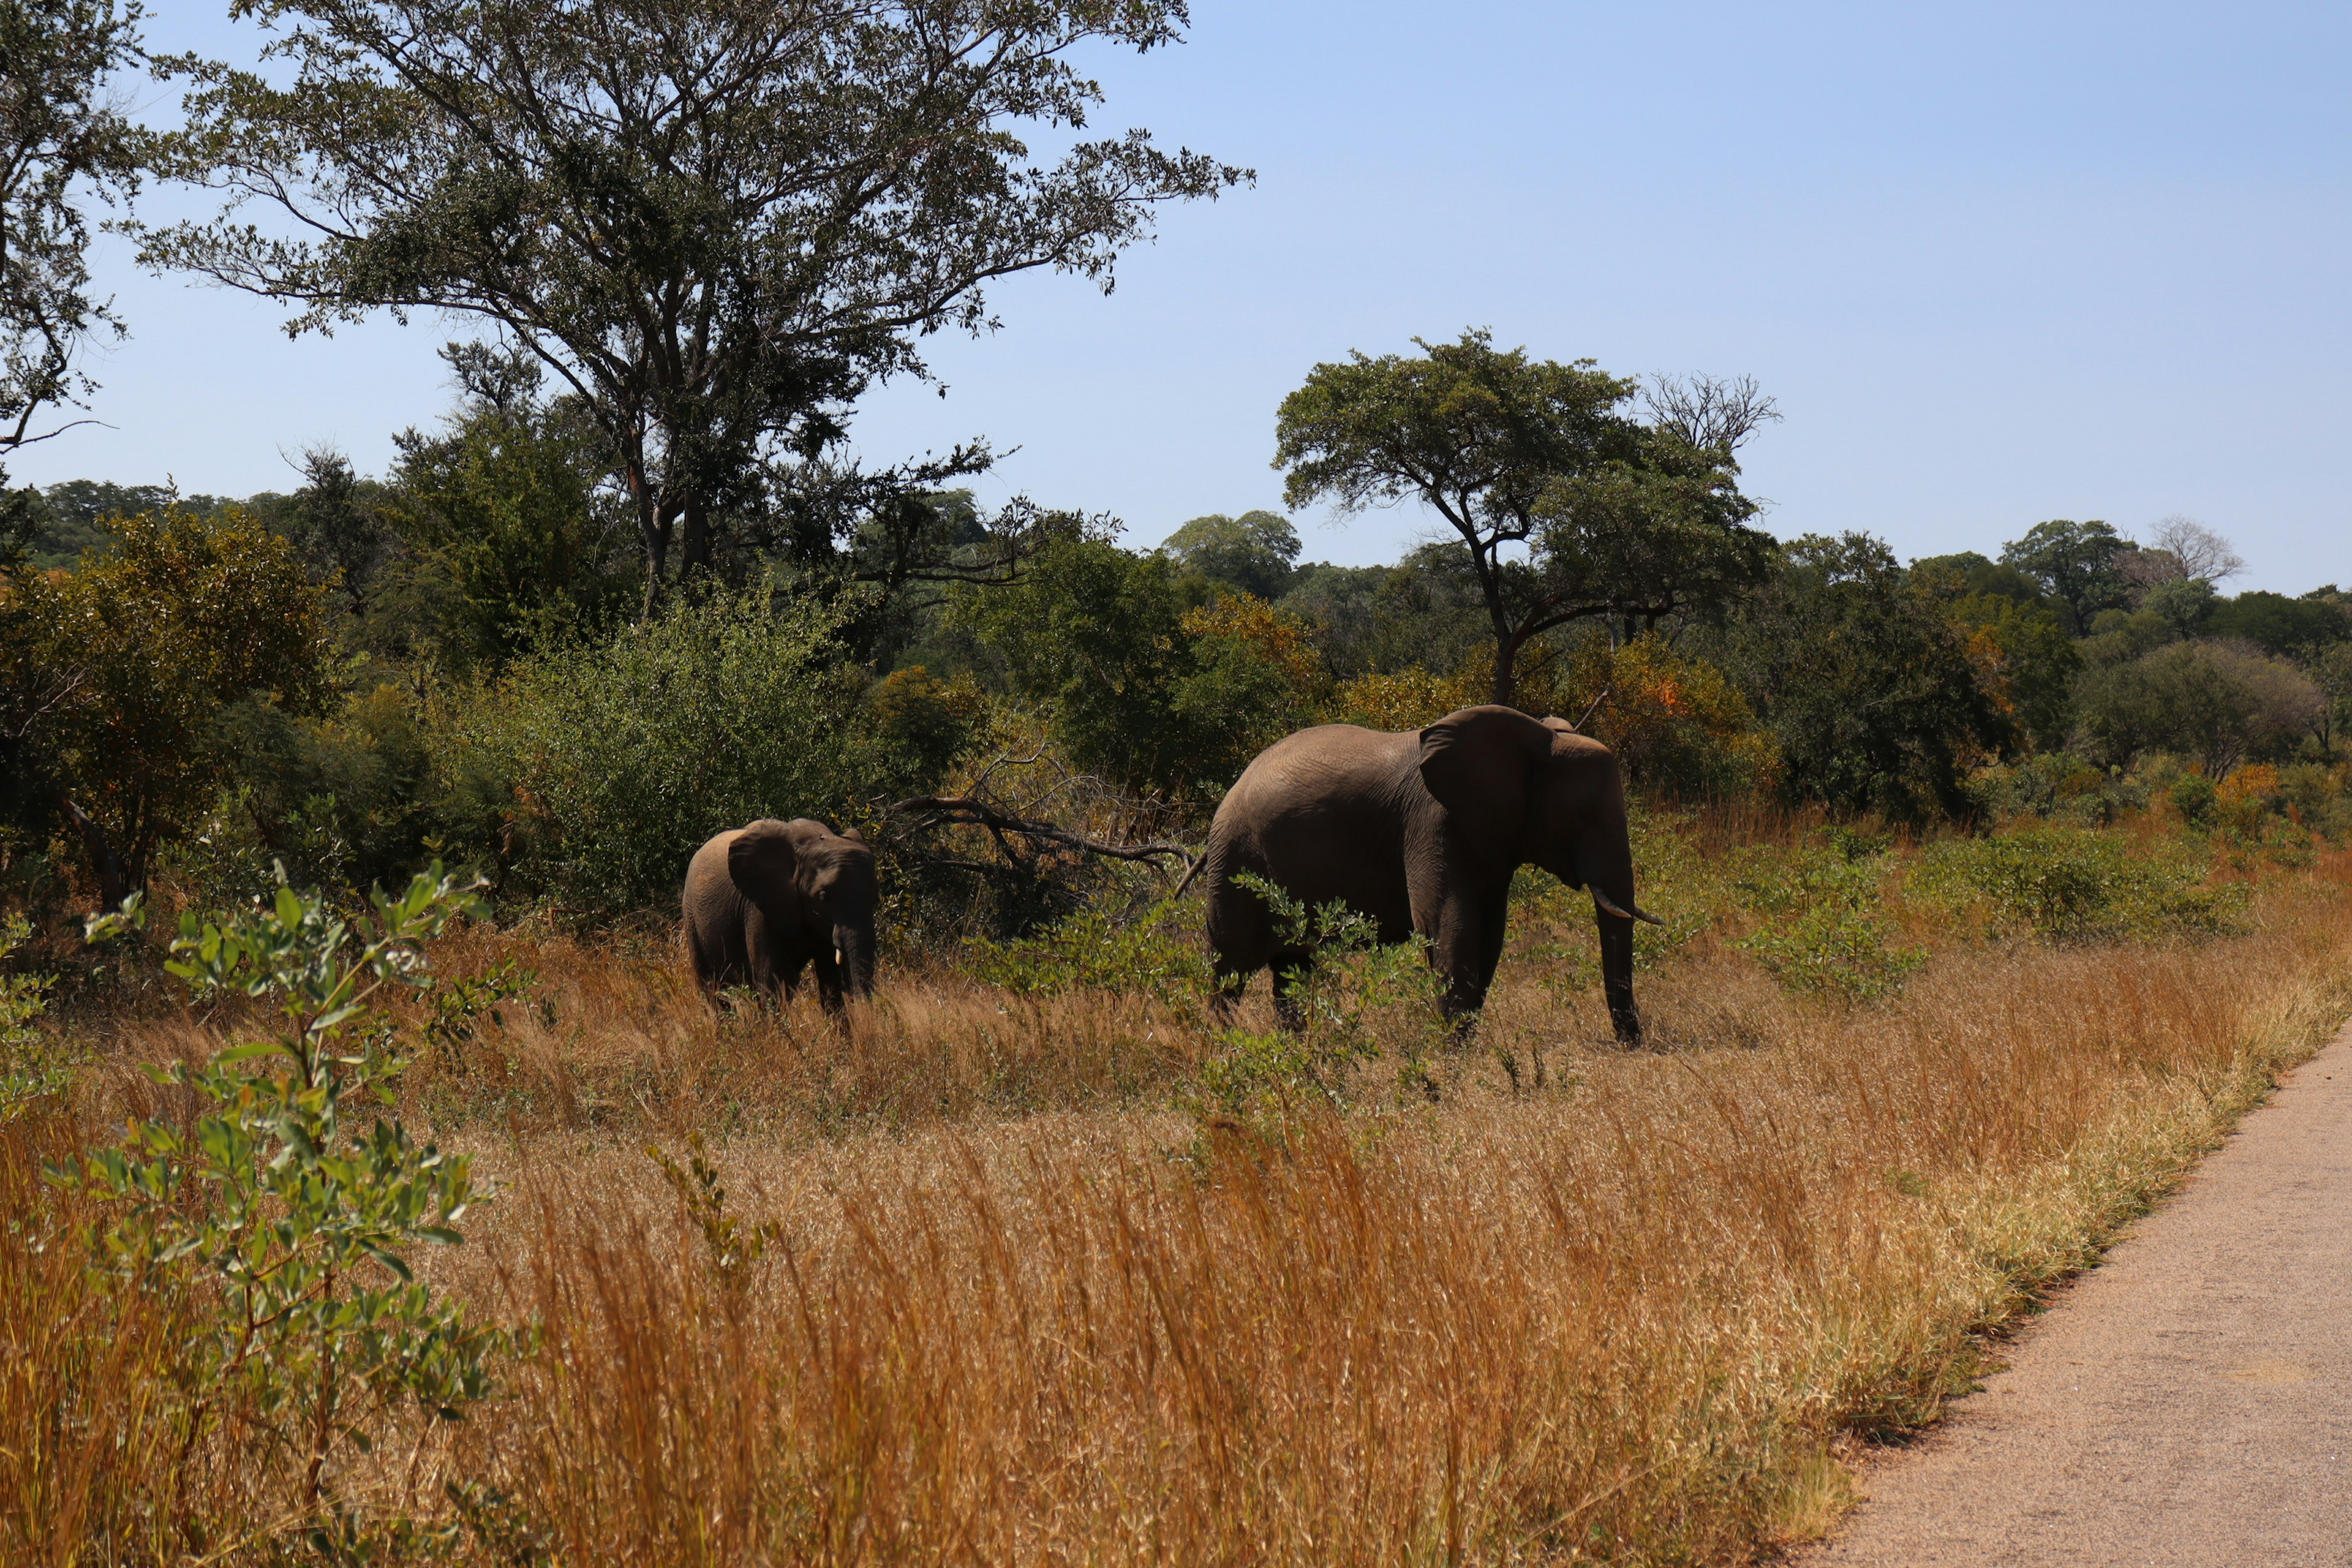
(1847, 872)
(735, 1249)
(1834, 949)
(460, 1007)
(1355, 997)
(32, 1066)
(2194, 798)
(1828, 936)
(286, 1210)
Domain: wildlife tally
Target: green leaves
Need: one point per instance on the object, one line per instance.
(1619, 517)
(32, 1067)
(299, 1217)
(719, 223)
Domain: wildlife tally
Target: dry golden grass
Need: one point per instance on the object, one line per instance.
(1020, 1305)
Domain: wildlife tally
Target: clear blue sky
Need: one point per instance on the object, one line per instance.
(1999, 263)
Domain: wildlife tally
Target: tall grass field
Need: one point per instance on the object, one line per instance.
(1030, 1261)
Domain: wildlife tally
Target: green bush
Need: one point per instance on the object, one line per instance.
(2316, 795)
(1833, 949)
(348, 801)
(1829, 935)
(288, 1205)
(32, 1066)
(1093, 950)
(1358, 1000)
(2066, 884)
(620, 757)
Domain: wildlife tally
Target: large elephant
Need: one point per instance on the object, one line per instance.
(763, 901)
(1421, 832)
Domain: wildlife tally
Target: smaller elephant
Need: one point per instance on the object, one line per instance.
(763, 901)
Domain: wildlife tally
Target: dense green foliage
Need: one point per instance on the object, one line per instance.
(613, 760)
(1567, 508)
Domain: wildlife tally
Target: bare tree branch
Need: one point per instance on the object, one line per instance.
(1712, 413)
(2200, 551)
(967, 811)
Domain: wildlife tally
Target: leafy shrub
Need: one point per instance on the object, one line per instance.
(2072, 884)
(2218, 703)
(1773, 879)
(32, 1067)
(1834, 949)
(1870, 692)
(1358, 998)
(1092, 950)
(2053, 784)
(348, 801)
(2313, 794)
(287, 1217)
(1833, 938)
(2194, 797)
(622, 756)
(1403, 699)
(123, 665)
(921, 725)
(1144, 688)
(1674, 722)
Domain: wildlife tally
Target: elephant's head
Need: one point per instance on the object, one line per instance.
(819, 881)
(1534, 792)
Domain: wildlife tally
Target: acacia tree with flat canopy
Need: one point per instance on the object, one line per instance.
(719, 222)
(1567, 507)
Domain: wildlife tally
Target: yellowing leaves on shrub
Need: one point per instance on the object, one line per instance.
(2254, 781)
(1674, 722)
(1405, 699)
(1281, 638)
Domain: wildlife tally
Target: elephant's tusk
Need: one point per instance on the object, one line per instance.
(1609, 908)
(837, 957)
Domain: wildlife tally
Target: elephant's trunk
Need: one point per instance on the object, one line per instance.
(853, 947)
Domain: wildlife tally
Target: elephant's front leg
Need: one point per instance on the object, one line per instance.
(1466, 937)
(831, 990)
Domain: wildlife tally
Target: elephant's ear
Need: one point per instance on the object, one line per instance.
(1479, 763)
(761, 861)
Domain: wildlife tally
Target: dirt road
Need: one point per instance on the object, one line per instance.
(2188, 1403)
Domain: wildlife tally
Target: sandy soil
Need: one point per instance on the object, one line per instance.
(2188, 1403)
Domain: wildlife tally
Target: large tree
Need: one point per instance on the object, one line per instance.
(1869, 690)
(116, 673)
(63, 141)
(2078, 564)
(1567, 506)
(717, 221)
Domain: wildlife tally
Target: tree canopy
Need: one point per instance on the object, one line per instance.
(63, 141)
(2075, 562)
(1255, 553)
(718, 222)
(1569, 506)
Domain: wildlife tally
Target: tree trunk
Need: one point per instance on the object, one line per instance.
(653, 530)
(115, 880)
(695, 553)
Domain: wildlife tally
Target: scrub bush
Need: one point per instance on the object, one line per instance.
(2066, 884)
(618, 758)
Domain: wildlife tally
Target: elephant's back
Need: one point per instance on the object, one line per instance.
(1329, 760)
(1319, 811)
(707, 875)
